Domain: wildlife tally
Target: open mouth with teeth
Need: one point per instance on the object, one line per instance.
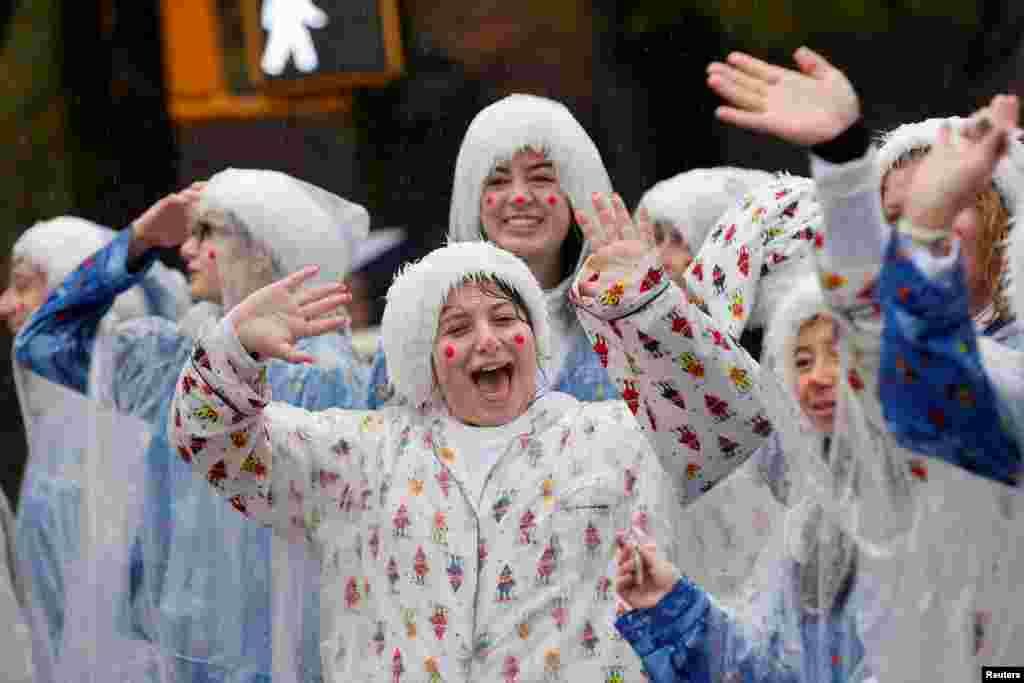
(494, 381)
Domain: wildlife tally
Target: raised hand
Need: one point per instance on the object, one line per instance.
(166, 224)
(642, 578)
(618, 245)
(958, 167)
(270, 321)
(806, 107)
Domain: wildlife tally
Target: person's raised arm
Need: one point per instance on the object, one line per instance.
(57, 342)
(692, 389)
(283, 466)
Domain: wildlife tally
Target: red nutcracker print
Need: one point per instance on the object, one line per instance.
(392, 574)
(592, 538)
(546, 566)
(805, 234)
(718, 338)
(698, 270)
(854, 379)
(718, 280)
(188, 383)
(589, 640)
(455, 571)
(819, 240)
(687, 437)
(668, 391)
(918, 469)
(601, 592)
(197, 443)
(401, 522)
(691, 365)
(352, 596)
(680, 325)
(601, 349)
(501, 505)
(651, 345)
(397, 669)
(217, 474)
(444, 481)
(743, 261)
(717, 408)
(481, 552)
(378, 640)
(510, 670)
(506, 585)
(760, 424)
(730, 233)
(630, 395)
(560, 611)
(727, 446)
(439, 620)
(790, 210)
(420, 568)
(631, 478)
(200, 358)
(651, 280)
(440, 530)
(527, 523)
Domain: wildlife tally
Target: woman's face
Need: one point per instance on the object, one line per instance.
(25, 293)
(524, 210)
(816, 359)
(210, 244)
(485, 357)
(674, 251)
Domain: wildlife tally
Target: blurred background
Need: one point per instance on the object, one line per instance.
(106, 106)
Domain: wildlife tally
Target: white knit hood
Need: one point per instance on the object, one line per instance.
(299, 223)
(693, 201)
(506, 127)
(415, 300)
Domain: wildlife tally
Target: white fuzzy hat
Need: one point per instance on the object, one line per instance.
(508, 126)
(61, 244)
(415, 300)
(755, 252)
(301, 224)
(693, 201)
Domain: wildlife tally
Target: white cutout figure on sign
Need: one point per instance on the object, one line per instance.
(288, 24)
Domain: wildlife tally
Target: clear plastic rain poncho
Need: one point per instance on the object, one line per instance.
(222, 595)
(693, 201)
(77, 566)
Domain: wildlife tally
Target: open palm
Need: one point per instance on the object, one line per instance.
(619, 246)
(271, 320)
(806, 107)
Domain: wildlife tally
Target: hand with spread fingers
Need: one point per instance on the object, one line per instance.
(270, 321)
(620, 246)
(959, 167)
(642, 578)
(806, 107)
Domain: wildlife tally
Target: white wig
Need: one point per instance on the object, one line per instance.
(1008, 181)
(508, 126)
(693, 201)
(298, 223)
(418, 294)
(58, 246)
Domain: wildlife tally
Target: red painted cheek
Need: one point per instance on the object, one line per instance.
(553, 200)
(212, 254)
(20, 308)
(449, 352)
(520, 339)
(489, 200)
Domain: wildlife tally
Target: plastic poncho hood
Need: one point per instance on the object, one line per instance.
(694, 201)
(418, 294)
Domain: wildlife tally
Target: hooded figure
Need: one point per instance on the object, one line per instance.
(209, 617)
(55, 540)
(479, 503)
(685, 207)
(983, 239)
(497, 183)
